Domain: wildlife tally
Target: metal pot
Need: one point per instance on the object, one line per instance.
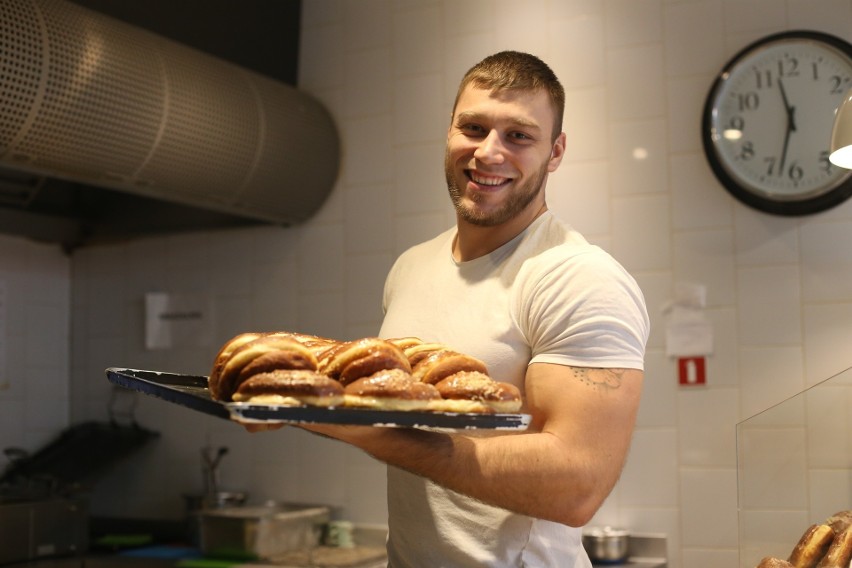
(606, 544)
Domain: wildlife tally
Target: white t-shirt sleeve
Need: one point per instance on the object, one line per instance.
(577, 306)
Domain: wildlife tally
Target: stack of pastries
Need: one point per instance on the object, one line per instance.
(294, 369)
(823, 545)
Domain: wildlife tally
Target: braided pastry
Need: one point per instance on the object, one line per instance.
(291, 388)
(840, 521)
(417, 352)
(265, 353)
(839, 553)
(352, 360)
(468, 391)
(405, 343)
(222, 357)
(287, 368)
(442, 363)
(812, 546)
(315, 343)
(392, 389)
(772, 562)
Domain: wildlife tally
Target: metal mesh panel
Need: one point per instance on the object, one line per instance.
(92, 99)
(20, 68)
(211, 134)
(101, 102)
(289, 135)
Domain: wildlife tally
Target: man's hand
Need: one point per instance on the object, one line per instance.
(260, 426)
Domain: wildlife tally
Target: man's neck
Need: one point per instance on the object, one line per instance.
(474, 241)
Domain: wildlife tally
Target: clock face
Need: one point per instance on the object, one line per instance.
(768, 121)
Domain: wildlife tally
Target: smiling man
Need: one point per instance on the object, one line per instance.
(500, 147)
(559, 318)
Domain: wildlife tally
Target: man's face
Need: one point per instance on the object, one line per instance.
(499, 152)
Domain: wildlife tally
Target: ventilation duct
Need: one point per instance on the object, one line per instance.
(97, 103)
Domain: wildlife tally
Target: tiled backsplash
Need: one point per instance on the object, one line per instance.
(35, 342)
(779, 290)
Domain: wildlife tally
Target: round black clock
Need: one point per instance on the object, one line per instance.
(767, 123)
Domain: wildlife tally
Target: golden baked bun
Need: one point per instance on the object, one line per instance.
(352, 360)
(281, 351)
(392, 389)
(418, 351)
(438, 365)
(222, 357)
(840, 552)
(839, 521)
(472, 391)
(812, 546)
(315, 343)
(406, 342)
(405, 373)
(771, 562)
(291, 388)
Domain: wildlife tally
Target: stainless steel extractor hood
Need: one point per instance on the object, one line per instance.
(108, 130)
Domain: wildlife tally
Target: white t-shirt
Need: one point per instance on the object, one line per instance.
(546, 296)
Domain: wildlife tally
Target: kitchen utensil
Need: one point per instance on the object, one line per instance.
(210, 468)
(606, 544)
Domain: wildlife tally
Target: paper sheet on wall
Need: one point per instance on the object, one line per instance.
(177, 320)
(689, 338)
(688, 333)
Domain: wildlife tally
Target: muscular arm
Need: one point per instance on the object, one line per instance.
(561, 469)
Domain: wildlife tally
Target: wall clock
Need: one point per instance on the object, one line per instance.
(766, 124)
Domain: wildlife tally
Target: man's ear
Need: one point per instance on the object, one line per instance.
(557, 152)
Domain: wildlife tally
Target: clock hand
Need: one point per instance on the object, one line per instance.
(791, 110)
(791, 126)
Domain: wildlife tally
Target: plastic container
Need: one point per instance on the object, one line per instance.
(261, 532)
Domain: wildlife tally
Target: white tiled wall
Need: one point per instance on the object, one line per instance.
(636, 72)
(35, 298)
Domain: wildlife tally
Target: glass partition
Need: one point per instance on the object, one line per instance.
(794, 468)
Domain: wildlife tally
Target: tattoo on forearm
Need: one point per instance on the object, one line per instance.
(601, 378)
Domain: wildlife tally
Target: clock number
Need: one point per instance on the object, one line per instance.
(836, 82)
(748, 101)
(770, 171)
(761, 77)
(736, 123)
(825, 163)
(788, 67)
(794, 172)
(746, 151)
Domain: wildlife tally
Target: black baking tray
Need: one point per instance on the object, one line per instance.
(191, 391)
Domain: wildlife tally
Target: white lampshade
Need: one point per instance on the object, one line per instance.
(841, 135)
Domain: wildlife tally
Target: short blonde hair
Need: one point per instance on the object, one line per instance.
(517, 70)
